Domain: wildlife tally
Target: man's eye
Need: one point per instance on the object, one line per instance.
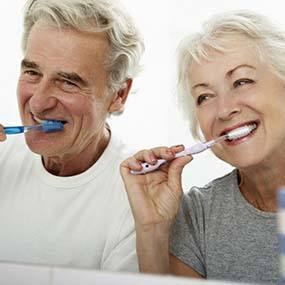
(67, 86)
(31, 73)
(241, 82)
(202, 98)
(68, 83)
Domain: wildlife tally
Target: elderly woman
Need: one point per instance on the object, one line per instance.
(231, 75)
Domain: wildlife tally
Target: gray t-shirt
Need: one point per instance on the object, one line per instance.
(220, 235)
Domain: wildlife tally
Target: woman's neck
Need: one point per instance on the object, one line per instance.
(259, 185)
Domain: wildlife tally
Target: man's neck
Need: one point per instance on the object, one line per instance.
(73, 164)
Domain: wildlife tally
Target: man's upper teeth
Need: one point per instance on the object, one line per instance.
(38, 120)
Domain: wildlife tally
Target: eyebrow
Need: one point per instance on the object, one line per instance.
(72, 76)
(200, 85)
(28, 64)
(228, 74)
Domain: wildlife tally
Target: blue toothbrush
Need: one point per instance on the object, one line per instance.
(45, 126)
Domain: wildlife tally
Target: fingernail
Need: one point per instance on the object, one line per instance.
(134, 164)
(178, 146)
(152, 157)
(169, 152)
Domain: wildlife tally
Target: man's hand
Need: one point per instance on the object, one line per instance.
(2, 134)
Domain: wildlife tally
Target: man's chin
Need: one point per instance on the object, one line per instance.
(42, 147)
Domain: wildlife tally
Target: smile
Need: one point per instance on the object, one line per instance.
(254, 126)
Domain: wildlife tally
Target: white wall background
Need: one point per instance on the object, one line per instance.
(151, 117)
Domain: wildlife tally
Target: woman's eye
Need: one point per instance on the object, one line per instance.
(202, 98)
(241, 82)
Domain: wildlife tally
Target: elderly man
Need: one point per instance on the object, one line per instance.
(62, 202)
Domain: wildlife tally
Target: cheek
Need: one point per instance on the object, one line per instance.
(82, 107)
(206, 120)
(261, 103)
(252, 99)
(23, 94)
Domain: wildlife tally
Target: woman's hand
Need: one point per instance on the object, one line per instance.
(155, 196)
(2, 134)
(155, 199)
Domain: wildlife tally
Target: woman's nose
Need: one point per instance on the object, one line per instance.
(228, 107)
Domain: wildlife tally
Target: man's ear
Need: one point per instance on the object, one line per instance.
(118, 103)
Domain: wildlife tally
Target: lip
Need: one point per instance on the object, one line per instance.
(39, 119)
(257, 122)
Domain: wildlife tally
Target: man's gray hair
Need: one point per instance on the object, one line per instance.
(126, 44)
(215, 35)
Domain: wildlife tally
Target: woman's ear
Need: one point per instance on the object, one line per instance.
(118, 103)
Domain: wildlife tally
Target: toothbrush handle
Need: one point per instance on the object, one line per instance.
(149, 167)
(14, 130)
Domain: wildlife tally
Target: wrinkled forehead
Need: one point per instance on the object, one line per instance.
(225, 52)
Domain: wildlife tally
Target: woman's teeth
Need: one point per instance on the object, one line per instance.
(244, 131)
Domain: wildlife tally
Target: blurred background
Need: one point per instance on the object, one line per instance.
(151, 117)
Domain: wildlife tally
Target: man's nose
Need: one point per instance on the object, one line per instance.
(228, 107)
(42, 99)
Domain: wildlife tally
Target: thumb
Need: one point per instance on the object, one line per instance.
(175, 172)
(2, 133)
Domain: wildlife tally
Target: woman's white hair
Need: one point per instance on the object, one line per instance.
(93, 16)
(268, 38)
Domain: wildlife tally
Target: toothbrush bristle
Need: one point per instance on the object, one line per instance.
(240, 132)
(52, 126)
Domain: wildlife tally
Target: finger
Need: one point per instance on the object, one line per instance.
(134, 186)
(177, 148)
(145, 155)
(163, 152)
(131, 163)
(125, 171)
(151, 155)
